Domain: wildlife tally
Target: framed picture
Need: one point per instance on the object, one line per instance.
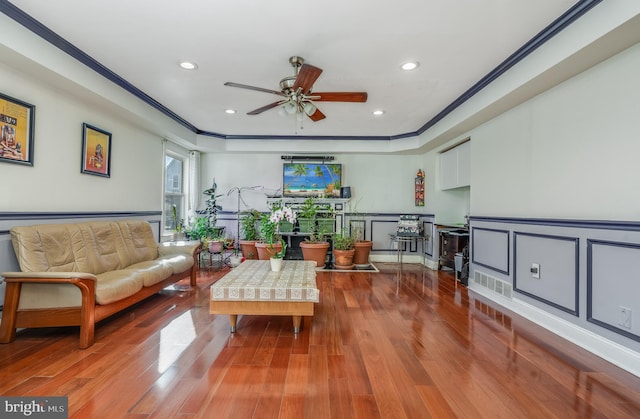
(17, 122)
(96, 151)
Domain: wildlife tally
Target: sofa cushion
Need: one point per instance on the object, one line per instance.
(140, 244)
(49, 248)
(105, 247)
(177, 263)
(117, 285)
(153, 271)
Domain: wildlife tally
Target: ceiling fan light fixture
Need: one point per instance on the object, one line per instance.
(290, 108)
(411, 65)
(230, 111)
(188, 65)
(309, 108)
(378, 112)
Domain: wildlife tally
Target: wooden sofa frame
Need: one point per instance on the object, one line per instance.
(86, 316)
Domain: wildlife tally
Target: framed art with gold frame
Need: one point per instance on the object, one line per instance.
(96, 151)
(17, 122)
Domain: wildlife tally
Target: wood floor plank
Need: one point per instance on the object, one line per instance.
(414, 344)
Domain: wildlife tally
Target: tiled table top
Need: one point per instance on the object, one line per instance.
(253, 280)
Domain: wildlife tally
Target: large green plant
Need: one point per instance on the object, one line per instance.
(212, 208)
(248, 224)
(200, 229)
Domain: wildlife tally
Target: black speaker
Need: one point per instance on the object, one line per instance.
(345, 192)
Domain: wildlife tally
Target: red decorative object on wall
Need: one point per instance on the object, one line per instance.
(419, 188)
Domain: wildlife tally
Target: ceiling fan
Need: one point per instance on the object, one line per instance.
(297, 95)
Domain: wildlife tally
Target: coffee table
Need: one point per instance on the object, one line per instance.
(253, 289)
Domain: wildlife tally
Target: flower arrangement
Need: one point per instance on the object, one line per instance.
(270, 226)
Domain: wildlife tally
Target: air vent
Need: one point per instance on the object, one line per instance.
(493, 284)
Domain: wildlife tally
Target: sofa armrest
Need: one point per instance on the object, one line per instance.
(48, 277)
(85, 282)
(178, 248)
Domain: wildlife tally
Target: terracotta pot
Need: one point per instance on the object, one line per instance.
(215, 246)
(265, 251)
(362, 248)
(316, 252)
(343, 259)
(248, 248)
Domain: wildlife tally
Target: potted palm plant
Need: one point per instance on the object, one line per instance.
(250, 233)
(343, 250)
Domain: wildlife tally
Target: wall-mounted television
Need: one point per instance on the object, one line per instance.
(312, 179)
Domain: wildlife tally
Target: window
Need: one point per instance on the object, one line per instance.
(173, 190)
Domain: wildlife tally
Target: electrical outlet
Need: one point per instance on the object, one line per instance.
(625, 317)
(535, 270)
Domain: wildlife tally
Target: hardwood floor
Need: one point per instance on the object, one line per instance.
(376, 348)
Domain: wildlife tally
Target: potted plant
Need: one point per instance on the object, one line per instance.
(362, 246)
(215, 242)
(212, 208)
(200, 229)
(307, 215)
(273, 245)
(250, 233)
(315, 248)
(343, 250)
(326, 218)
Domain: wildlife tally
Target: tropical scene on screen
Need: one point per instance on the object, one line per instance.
(312, 179)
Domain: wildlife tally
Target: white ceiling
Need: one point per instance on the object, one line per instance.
(360, 45)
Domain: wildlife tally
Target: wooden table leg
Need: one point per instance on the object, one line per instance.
(233, 319)
(297, 320)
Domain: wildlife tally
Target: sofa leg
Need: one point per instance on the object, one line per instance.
(10, 312)
(86, 335)
(193, 276)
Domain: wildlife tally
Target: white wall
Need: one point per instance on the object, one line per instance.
(379, 183)
(55, 183)
(571, 152)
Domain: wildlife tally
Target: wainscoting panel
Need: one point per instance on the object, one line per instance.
(557, 258)
(429, 233)
(613, 286)
(589, 285)
(380, 231)
(490, 248)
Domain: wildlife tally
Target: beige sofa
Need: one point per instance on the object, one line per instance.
(79, 274)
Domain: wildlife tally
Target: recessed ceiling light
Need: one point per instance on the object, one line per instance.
(230, 111)
(378, 112)
(188, 65)
(411, 65)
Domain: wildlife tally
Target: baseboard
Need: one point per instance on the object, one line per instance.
(613, 352)
(393, 258)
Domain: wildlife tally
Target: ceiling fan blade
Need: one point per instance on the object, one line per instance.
(259, 89)
(264, 108)
(306, 77)
(317, 115)
(339, 96)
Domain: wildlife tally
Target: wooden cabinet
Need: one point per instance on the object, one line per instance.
(455, 167)
(451, 242)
